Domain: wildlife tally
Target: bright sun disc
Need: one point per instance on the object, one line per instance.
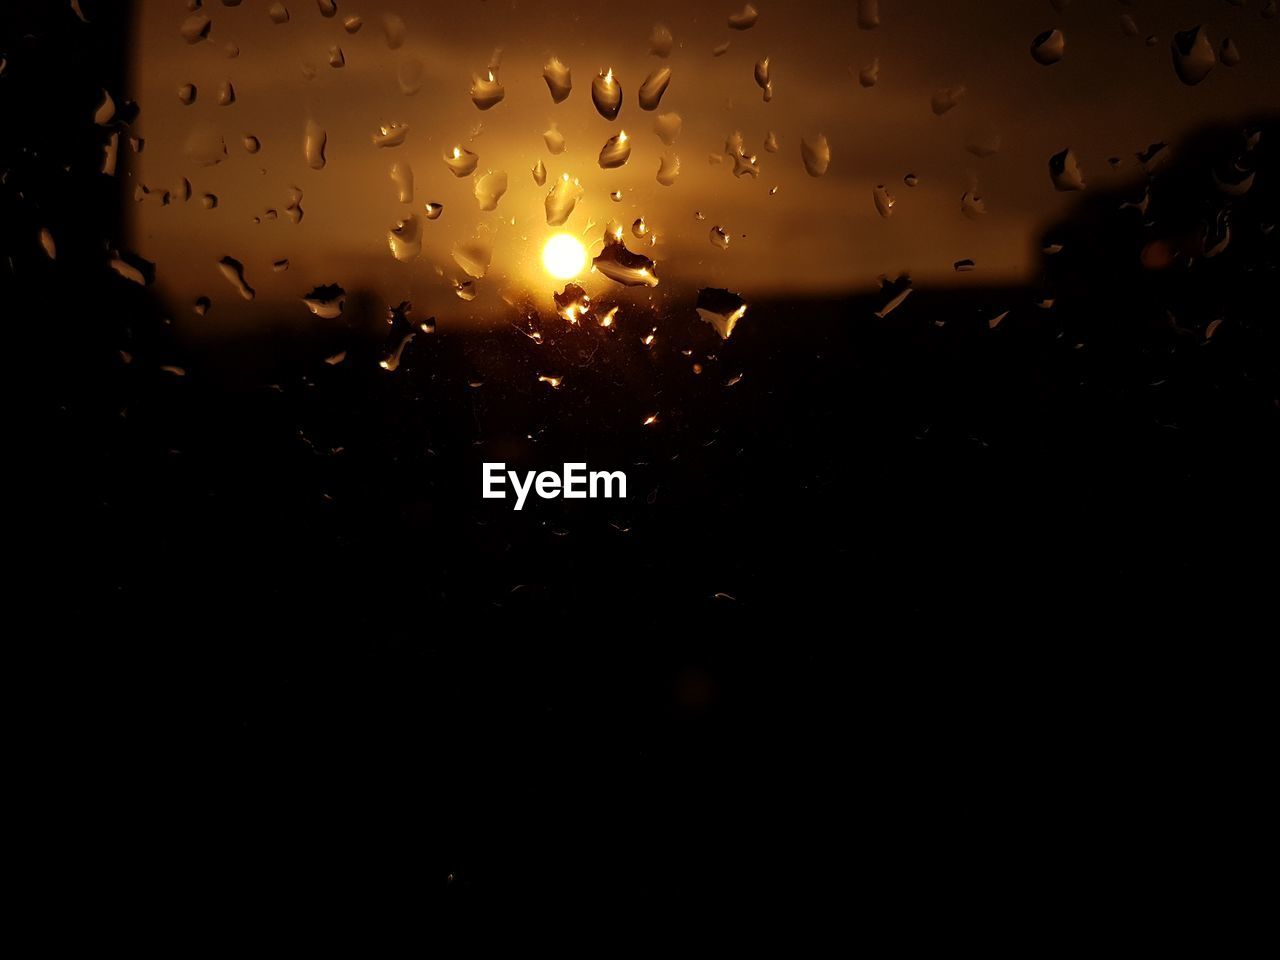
(564, 256)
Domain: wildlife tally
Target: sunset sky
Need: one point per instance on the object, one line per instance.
(1111, 95)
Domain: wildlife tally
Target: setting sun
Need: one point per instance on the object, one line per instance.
(564, 256)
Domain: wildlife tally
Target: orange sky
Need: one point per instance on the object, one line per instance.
(1110, 95)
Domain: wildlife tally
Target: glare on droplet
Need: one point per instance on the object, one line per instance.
(722, 309)
(622, 265)
(606, 94)
(572, 303)
(390, 134)
(486, 91)
(616, 151)
(884, 201)
(434, 210)
(461, 161)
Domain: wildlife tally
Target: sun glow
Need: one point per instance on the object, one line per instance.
(564, 256)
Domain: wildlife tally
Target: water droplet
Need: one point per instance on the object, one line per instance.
(490, 188)
(816, 155)
(616, 196)
(667, 126)
(719, 238)
(773, 191)
(553, 381)
(106, 110)
(294, 210)
(654, 86)
(721, 308)
(616, 151)
(554, 140)
(1065, 171)
(639, 228)
(390, 134)
(280, 266)
(660, 41)
(622, 266)
(328, 8)
(402, 177)
(278, 13)
(996, 320)
(313, 144)
(195, 28)
(231, 50)
(744, 19)
(1229, 53)
(394, 30)
(668, 169)
(946, 99)
(1128, 25)
(762, 73)
(209, 201)
(202, 306)
(233, 270)
(226, 94)
(564, 196)
(252, 144)
(187, 94)
(963, 266)
(984, 143)
(337, 58)
(391, 362)
(972, 205)
(135, 269)
(410, 74)
(572, 303)
(434, 210)
(869, 75)
(461, 161)
(405, 239)
(893, 293)
(486, 91)
(205, 147)
(606, 94)
(352, 24)
(868, 14)
(911, 180)
(46, 242)
(326, 302)
(559, 79)
(884, 201)
(1193, 55)
(466, 290)
(1048, 47)
(111, 154)
(720, 49)
(474, 256)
